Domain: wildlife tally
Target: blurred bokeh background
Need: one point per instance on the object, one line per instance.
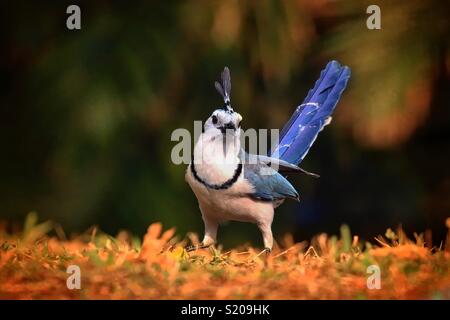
(86, 116)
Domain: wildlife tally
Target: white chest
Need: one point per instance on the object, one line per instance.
(232, 203)
(215, 161)
(213, 168)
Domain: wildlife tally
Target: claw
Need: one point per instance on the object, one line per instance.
(190, 248)
(196, 247)
(267, 258)
(267, 251)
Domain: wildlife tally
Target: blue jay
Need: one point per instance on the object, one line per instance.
(231, 184)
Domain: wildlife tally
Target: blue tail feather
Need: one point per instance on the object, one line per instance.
(313, 114)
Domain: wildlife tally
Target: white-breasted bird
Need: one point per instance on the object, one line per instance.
(231, 184)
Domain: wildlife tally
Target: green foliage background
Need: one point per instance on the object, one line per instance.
(86, 116)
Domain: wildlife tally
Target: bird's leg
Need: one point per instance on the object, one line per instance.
(209, 239)
(211, 227)
(267, 237)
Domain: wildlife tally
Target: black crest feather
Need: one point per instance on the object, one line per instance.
(224, 88)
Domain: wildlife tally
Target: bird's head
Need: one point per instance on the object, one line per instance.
(224, 120)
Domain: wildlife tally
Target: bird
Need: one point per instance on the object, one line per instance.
(233, 185)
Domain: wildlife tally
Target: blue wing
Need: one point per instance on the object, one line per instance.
(268, 186)
(313, 114)
(267, 183)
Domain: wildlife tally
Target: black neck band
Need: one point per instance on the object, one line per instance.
(227, 184)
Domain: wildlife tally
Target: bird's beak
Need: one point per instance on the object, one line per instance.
(228, 128)
(228, 131)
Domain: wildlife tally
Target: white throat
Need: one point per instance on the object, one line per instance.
(216, 156)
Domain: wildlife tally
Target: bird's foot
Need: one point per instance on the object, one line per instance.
(190, 248)
(266, 251)
(267, 257)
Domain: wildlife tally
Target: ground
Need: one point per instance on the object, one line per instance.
(34, 265)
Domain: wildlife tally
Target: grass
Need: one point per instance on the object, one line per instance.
(33, 266)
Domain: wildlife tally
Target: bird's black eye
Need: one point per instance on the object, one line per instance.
(214, 119)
